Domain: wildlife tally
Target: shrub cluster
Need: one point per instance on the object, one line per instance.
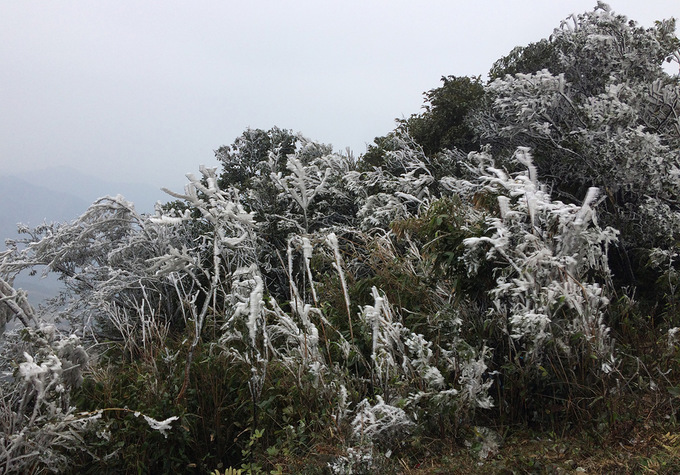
(301, 301)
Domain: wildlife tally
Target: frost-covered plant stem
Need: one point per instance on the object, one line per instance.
(199, 317)
(299, 306)
(332, 241)
(303, 184)
(307, 255)
(230, 242)
(17, 304)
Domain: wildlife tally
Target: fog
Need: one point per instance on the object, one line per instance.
(145, 91)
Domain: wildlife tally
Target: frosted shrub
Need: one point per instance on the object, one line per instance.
(396, 190)
(358, 461)
(396, 352)
(302, 184)
(421, 358)
(380, 422)
(39, 429)
(475, 382)
(405, 366)
(312, 187)
(598, 110)
(220, 268)
(102, 258)
(544, 253)
(296, 346)
(292, 185)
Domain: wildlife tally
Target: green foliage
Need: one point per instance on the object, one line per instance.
(443, 124)
(212, 412)
(247, 160)
(442, 230)
(526, 59)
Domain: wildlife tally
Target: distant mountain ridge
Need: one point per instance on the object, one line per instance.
(27, 203)
(63, 193)
(88, 187)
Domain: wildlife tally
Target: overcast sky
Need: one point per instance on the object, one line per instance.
(146, 90)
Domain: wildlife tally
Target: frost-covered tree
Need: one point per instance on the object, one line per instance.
(313, 183)
(246, 161)
(102, 260)
(292, 185)
(395, 189)
(597, 110)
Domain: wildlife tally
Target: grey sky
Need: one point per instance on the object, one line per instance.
(146, 90)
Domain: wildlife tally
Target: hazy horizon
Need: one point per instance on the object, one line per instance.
(144, 92)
